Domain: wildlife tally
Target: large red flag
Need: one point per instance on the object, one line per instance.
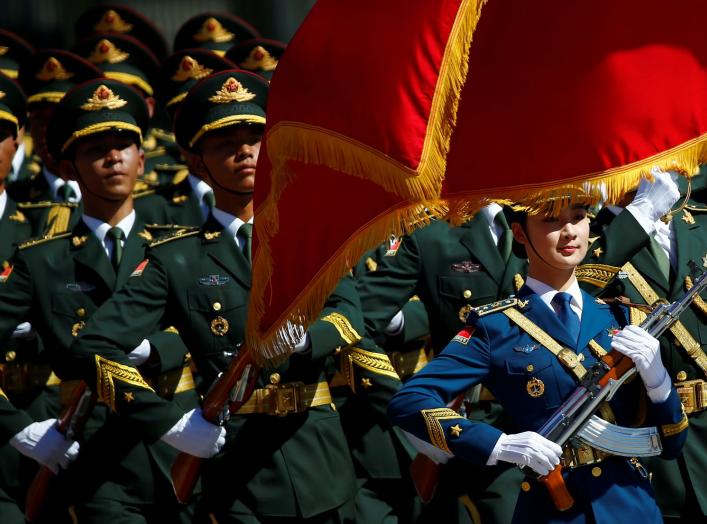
(380, 110)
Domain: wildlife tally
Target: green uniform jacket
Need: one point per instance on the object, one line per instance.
(182, 206)
(57, 284)
(297, 465)
(691, 235)
(14, 228)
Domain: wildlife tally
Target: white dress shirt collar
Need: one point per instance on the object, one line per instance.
(200, 188)
(231, 224)
(100, 229)
(547, 293)
(17, 161)
(56, 182)
(3, 203)
(490, 211)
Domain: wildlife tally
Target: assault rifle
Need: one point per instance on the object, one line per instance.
(71, 423)
(228, 393)
(575, 418)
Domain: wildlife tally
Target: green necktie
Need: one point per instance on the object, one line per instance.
(210, 200)
(505, 241)
(117, 235)
(65, 192)
(661, 258)
(246, 230)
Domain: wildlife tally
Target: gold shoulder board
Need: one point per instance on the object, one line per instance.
(596, 274)
(180, 233)
(42, 240)
(497, 306)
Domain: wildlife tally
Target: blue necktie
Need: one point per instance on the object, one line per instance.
(566, 315)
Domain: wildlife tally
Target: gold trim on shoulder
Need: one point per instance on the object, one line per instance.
(212, 31)
(112, 21)
(37, 241)
(595, 348)
(107, 372)
(53, 70)
(433, 418)
(596, 274)
(518, 282)
(232, 91)
(103, 98)
(346, 331)
(374, 362)
(106, 51)
(259, 58)
(189, 68)
(180, 233)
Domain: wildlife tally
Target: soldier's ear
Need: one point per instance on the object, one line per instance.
(67, 170)
(519, 233)
(197, 164)
(141, 162)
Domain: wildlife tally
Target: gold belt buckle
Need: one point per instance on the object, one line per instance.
(691, 393)
(286, 398)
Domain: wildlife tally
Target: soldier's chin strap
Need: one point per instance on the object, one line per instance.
(87, 190)
(221, 186)
(530, 243)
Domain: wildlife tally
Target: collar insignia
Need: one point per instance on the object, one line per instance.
(212, 31)
(259, 58)
(53, 70)
(17, 216)
(105, 51)
(103, 98)
(145, 234)
(232, 91)
(466, 266)
(79, 241)
(112, 22)
(190, 68)
(687, 217)
(214, 280)
(209, 235)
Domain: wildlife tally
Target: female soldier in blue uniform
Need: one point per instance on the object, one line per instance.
(531, 376)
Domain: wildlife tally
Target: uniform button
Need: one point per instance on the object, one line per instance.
(217, 306)
(275, 378)
(530, 368)
(10, 356)
(467, 293)
(525, 486)
(596, 471)
(81, 312)
(681, 376)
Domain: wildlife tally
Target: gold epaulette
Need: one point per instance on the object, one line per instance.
(167, 227)
(695, 206)
(596, 274)
(41, 240)
(157, 151)
(180, 176)
(180, 233)
(498, 306)
(169, 167)
(45, 204)
(163, 135)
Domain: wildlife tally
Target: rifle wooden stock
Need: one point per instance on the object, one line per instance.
(557, 488)
(38, 492)
(186, 468)
(424, 471)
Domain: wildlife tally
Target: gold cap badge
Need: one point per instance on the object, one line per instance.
(212, 31)
(105, 51)
(53, 70)
(232, 91)
(190, 68)
(112, 22)
(103, 98)
(260, 58)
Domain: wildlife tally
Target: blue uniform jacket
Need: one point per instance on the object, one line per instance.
(495, 351)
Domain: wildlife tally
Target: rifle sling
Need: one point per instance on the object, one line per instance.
(678, 329)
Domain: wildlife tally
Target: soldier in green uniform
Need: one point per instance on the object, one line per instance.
(59, 282)
(217, 32)
(189, 198)
(294, 467)
(658, 269)
(259, 55)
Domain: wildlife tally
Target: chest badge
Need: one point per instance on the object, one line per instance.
(213, 280)
(466, 266)
(528, 348)
(78, 326)
(219, 326)
(535, 387)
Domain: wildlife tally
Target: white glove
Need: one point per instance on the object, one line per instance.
(193, 434)
(23, 331)
(140, 354)
(527, 449)
(436, 455)
(644, 350)
(42, 442)
(396, 324)
(654, 199)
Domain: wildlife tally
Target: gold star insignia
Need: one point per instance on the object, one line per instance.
(456, 430)
(597, 252)
(687, 217)
(128, 396)
(366, 382)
